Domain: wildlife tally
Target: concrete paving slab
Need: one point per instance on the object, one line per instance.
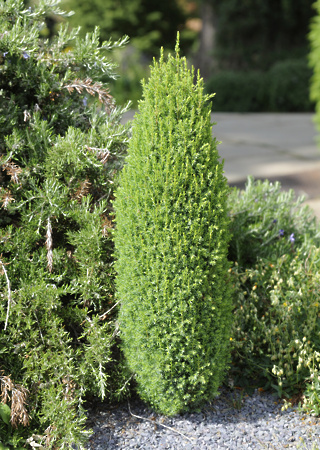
(268, 128)
(315, 206)
(279, 147)
(265, 145)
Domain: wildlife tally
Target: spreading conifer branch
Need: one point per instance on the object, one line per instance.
(43, 170)
(3, 271)
(92, 89)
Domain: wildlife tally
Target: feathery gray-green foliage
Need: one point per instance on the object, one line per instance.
(59, 153)
(171, 242)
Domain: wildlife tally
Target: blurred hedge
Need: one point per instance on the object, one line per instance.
(283, 88)
(254, 34)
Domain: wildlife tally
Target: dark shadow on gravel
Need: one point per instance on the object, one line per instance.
(115, 427)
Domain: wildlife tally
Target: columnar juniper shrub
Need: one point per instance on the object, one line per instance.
(171, 242)
(276, 328)
(314, 60)
(58, 158)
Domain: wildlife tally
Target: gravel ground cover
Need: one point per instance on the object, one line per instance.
(230, 422)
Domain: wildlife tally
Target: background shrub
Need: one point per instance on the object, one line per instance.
(59, 153)
(288, 86)
(282, 88)
(279, 28)
(275, 249)
(171, 241)
(149, 23)
(237, 91)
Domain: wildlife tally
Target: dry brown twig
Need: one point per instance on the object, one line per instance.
(69, 388)
(41, 442)
(106, 226)
(101, 153)
(3, 271)
(160, 424)
(49, 246)
(19, 414)
(6, 197)
(92, 89)
(104, 315)
(13, 170)
(83, 190)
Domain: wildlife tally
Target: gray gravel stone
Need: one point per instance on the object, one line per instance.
(258, 424)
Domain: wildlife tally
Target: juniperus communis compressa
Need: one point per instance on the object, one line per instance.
(171, 244)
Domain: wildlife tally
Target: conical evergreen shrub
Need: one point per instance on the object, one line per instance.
(171, 243)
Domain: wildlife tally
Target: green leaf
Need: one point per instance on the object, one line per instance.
(3, 447)
(5, 413)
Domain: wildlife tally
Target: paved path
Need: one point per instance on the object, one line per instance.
(273, 146)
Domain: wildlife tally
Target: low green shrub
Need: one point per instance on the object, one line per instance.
(287, 86)
(171, 242)
(58, 158)
(255, 34)
(263, 218)
(276, 328)
(237, 91)
(283, 88)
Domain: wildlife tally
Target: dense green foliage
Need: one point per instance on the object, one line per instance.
(171, 241)
(288, 84)
(59, 153)
(11, 437)
(314, 59)
(260, 55)
(246, 88)
(149, 23)
(61, 145)
(282, 88)
(253, 34)
(275, 247)
(258, 213)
